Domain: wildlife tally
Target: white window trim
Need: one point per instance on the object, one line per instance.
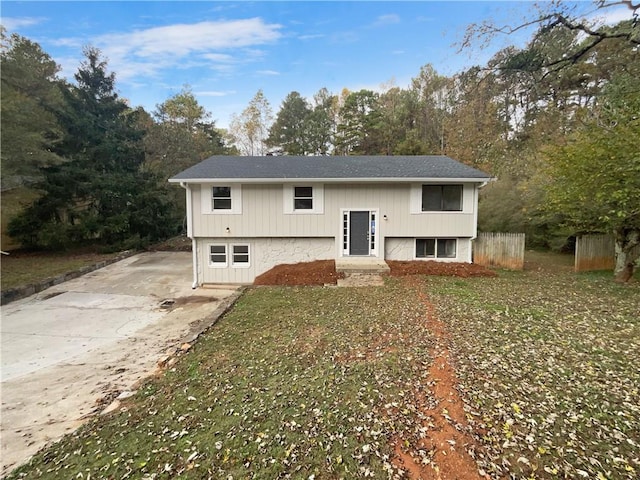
(288, 191)
(242, 264)
(206, 200)
(226, 255)
(435, 253)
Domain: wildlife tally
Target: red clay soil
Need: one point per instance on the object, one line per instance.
(448, 438)
(448, 269)
(323, 272)
(319, 272)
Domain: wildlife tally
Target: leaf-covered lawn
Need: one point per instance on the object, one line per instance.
(292, 383)
(551, 366)
(313, 382)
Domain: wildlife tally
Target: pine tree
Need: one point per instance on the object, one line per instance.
(100, 193)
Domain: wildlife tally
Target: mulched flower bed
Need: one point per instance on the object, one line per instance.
(323, 272)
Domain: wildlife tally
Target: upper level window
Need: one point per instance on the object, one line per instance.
(441, 198)
(221, 198)
(303, 198)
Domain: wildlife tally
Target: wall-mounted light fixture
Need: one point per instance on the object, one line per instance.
(228, 230)
(384, 217)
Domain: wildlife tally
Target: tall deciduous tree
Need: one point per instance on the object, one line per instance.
(99, 193)
(322, 123)
(432, 93)
(579, 17)
(180, 135)
(595, 177)
(249, 131)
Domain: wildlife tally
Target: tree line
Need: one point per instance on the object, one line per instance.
(557, 122)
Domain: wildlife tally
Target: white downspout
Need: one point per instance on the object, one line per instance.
(194, 246)
(476, 199)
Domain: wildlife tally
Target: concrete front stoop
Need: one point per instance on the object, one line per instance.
(361, 271)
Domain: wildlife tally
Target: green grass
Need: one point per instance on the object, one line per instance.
(296, 382)
(23, 268)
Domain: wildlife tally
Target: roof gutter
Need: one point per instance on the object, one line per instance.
(245, 180)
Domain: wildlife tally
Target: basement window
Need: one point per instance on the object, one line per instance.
(240, 255)
(218, 255)
(436, 247)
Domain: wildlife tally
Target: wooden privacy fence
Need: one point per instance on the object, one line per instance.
(504, 250)
(595, 252)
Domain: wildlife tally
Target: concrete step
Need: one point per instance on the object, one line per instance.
(364, 265)
(361, 280)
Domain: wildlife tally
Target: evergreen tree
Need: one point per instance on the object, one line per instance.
(100, 193)
(30, 93)
(290, 130)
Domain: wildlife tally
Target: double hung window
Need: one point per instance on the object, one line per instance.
(240, 255)
(221, 198)
(303, 198)
(218, 255)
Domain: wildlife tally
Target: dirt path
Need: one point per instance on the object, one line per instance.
(447, 439)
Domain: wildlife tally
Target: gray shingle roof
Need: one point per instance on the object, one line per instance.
(329, 168)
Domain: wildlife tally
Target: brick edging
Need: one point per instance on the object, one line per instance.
(16, 293)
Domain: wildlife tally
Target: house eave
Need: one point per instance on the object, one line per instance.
(482, 180)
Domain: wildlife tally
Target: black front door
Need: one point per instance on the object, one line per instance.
(359, 233)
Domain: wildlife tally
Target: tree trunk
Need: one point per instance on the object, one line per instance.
(625, 241)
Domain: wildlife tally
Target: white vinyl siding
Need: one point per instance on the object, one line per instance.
(263, 213)
(264, 254)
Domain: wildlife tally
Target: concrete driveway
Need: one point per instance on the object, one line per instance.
(70, 349)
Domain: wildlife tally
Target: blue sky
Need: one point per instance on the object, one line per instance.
(226, 51)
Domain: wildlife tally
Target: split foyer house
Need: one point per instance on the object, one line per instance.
(247, 214)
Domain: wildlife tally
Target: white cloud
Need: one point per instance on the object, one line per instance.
(218, 57)
(311, 36)
(215, 93)
(145, 53)
(611, 17)
(183, 39)
(14, 23)
(268, 72)
(390, 19)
